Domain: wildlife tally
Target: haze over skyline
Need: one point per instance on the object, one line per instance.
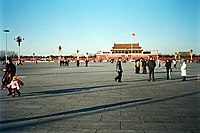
(92, 25)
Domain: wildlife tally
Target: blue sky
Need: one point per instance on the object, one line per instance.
(93, 25)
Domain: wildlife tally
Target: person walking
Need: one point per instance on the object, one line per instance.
(183, 70)
(168, 68)
(151, 65)
(119, 70)
(9, 74)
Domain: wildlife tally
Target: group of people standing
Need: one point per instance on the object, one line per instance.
(140, 62)
(151, 64)
(78, 62)
(144, 64)
(64, 63)
(10, 80)
(78, 59)
(168, 66)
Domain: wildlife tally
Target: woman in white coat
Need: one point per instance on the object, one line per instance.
(183, 70)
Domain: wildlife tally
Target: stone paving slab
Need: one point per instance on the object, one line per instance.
(88, 100)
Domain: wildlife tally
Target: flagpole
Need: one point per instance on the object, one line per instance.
(131, 48)
(132, 34)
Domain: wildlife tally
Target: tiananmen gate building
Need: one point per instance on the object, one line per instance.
(128, 51)
(126, 48)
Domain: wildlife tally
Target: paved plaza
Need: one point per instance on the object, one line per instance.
(63, 99)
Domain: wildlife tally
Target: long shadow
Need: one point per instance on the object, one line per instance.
(72, 90)
(189, 78)
(91, 110)
(61, 92)
(62, 84)
(83, 110)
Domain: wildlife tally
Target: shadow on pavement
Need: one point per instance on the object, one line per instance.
(61, 92)
(86, 111)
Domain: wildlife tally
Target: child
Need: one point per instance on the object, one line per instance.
(15, 85)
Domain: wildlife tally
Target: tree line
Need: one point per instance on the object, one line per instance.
(10, 54)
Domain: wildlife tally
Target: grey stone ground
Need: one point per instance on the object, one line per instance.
(88, 100)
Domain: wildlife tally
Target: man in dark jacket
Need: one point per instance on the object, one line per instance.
(10, 71)
(119, 70)
(151, 66)
(168, 68)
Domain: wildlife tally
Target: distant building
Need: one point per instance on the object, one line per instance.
(127, 51)
(126, 48)
(184, 54)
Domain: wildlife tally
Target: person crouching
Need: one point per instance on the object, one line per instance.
(15, 85)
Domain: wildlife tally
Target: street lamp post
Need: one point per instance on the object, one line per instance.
(59, 52)
(19, 40)
(33, 57)
(6, 31)
(77, 58)
(191, 54)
